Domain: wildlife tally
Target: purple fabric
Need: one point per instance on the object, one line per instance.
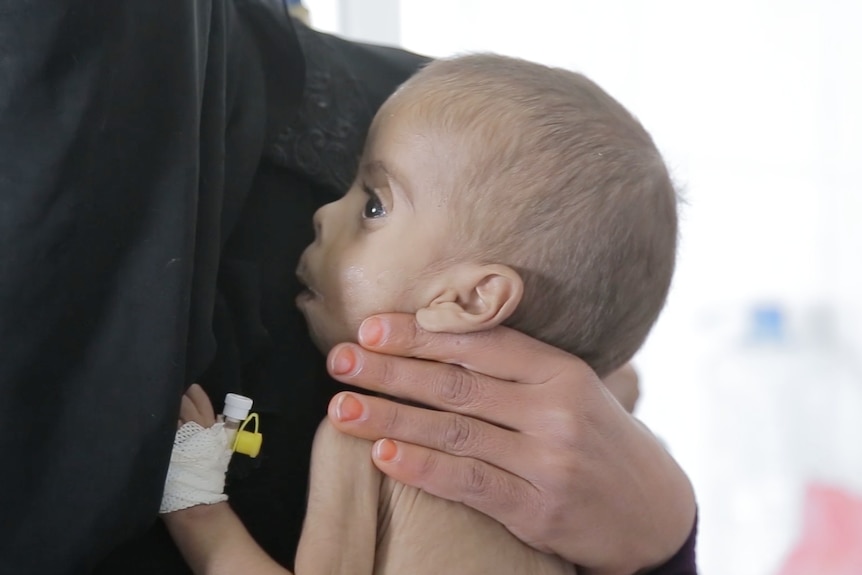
(683, 563)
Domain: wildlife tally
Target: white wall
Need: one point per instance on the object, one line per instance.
(756, 106)
(377, 21)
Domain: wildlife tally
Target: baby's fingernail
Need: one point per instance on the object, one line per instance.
(344, 361)
(372, 332)
(386, 450)
(348, 408)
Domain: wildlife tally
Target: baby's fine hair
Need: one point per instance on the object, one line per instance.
(565, 186)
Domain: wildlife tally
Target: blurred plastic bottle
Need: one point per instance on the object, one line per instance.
(831, 534)
(783, 410)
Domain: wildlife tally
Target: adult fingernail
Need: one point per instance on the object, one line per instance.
(386, 450)
(348, 408)
(373, 331)
(344, 361)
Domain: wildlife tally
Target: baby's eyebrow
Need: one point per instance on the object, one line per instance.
(378, 166)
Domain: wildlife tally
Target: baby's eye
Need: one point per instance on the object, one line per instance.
(373, 207)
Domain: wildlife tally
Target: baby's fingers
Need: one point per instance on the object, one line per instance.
(196, 406)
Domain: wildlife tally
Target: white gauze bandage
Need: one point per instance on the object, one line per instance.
(198, 466)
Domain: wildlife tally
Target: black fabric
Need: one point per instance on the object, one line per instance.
(263, 344)
(126, 128)
(151, 217)
(345, 84)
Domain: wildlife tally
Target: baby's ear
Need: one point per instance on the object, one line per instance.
(472, 297)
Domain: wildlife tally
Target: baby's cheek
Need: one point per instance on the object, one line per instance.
(346, 312)
(369, 288)
(359, 293)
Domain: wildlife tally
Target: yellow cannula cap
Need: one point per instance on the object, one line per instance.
(248, 442)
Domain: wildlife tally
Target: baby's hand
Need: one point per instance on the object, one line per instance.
(200, 458)
(196, 406)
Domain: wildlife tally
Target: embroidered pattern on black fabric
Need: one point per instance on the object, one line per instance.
(324, 139)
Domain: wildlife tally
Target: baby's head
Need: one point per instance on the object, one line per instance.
(493, 190)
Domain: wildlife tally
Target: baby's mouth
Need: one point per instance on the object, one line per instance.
(309, 292)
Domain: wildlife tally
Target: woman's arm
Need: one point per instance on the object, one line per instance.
(525, 433)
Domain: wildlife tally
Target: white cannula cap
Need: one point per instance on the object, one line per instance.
(236, 406)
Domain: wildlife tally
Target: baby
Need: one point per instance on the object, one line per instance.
(491, 191)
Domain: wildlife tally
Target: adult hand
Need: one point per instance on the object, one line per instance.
(520, 431)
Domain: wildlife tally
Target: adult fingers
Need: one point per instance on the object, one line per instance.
(489, 352)
(373, 418)
(438, 385)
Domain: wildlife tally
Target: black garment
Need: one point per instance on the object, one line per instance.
(684, 562)
(262, 337)
(152, 207)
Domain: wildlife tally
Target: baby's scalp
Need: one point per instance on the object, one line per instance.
(558, 180)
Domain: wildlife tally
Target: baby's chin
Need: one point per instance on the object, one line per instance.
(325, 337)
(326, 327)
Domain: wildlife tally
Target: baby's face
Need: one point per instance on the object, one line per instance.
(377, 248)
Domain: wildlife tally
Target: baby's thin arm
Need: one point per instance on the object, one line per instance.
(214, 541)
(339, 533)
(340, 529)
(211, 538)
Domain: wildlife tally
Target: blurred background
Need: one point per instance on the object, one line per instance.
(753, 375)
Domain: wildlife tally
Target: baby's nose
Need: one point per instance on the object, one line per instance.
(318, 224)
